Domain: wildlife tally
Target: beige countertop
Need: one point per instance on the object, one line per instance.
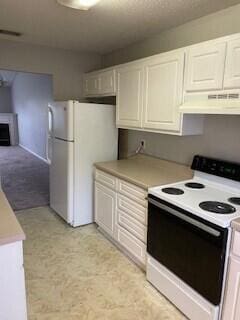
(236, 224)
(10, 229)
(145, 171)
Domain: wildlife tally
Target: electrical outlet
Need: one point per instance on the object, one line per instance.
(143, 144)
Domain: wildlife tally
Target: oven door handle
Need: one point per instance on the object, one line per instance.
(185, 218)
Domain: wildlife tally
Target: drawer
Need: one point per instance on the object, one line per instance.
(106, 179)
(236, 244)
(132, 225)
(133, 245)
(133, 192)
(132, 208)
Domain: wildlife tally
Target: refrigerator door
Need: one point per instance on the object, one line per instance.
(61, 116)
(61, 179)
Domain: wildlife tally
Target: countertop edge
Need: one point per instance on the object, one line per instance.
(119, 171)
(9, 240)
(123, 177)
(236, 224)
(15, 232)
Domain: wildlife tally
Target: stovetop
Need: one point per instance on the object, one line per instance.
(202, 196)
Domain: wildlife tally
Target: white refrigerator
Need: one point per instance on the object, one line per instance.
(80, 134)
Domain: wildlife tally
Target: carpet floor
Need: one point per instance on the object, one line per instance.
(24, 178)
(77, 274)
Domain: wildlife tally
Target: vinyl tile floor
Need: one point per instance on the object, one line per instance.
(77, 274)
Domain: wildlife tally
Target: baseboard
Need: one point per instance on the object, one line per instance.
(33, 153)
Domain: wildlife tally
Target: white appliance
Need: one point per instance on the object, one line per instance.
(80, 134)
(189, 233)
(224, 102)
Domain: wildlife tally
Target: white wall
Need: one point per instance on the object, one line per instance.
(5, 100)
(222, 133)
(31, 94)
(67, 67)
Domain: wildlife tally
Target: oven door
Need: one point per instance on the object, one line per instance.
(190, 247)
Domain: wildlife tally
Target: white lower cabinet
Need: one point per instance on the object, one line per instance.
(132, 225)
(231, 308)
(122, 214)
(12, 282)
(137, 194)
(134, 246)
(133, 209)
(105, 202)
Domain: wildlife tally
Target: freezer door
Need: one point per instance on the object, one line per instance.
(61, 179)
(61, 115)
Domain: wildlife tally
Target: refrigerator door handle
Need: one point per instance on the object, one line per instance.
(47, 149)
(50, 132)
(50, 123)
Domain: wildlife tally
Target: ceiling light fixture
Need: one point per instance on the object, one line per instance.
(78, 4)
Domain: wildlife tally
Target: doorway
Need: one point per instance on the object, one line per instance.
(24, 167)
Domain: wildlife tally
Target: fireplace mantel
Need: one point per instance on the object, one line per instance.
(11, 120)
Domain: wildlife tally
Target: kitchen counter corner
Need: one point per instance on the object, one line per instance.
(10, 229)
(236, 224)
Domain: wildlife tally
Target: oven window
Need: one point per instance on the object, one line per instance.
(194, 255)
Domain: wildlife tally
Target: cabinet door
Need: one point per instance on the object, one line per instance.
(232, 71)
(105, 203)
(91, 85)
(12, 282)
(129, 96)
(163, 91)
(205, 67)
(231, 309)
(107, 83)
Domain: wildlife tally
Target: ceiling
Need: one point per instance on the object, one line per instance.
(110, 25)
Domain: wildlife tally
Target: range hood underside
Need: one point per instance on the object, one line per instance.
(211, 103)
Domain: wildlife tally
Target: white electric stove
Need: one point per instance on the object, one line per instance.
(189, 234)
(210, 197)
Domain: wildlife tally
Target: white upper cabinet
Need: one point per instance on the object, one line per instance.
(162, 93)
(107, 83)
(163, 87)
(129, 95)
(99, 84)
(205, 67)
(232, 71)
(90, 85)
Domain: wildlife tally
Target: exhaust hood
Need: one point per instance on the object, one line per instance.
(212, 103)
